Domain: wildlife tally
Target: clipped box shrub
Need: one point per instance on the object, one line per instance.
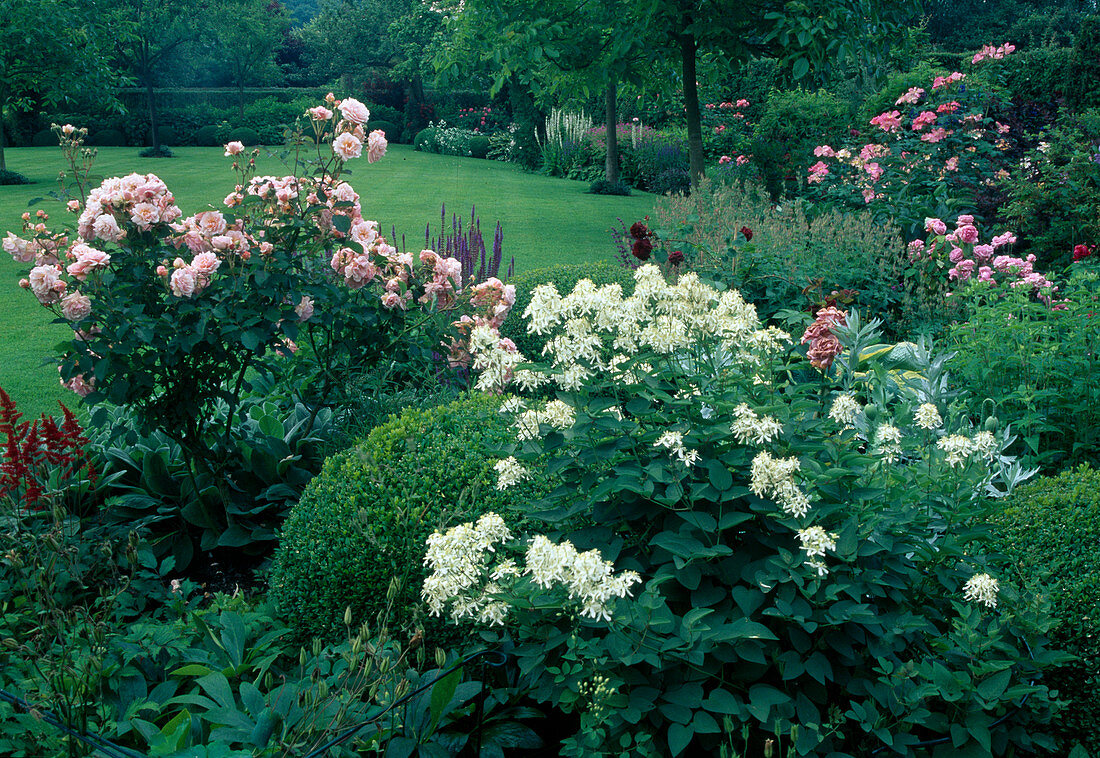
(170, 137)
(393, 132)
(427, 140)
(479, 146)
(365, 518)
(794, 123)
(211, 135)
(44, 138)
(1049, 530)
(250, 137)
(565, 278)
(107, 138)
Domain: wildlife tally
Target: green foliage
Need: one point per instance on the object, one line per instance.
(250, 137)
(44, 138)
(155, 152)
(363, 520)
(564, 278)
(796, 258)
(1048, 531)
(1033, 363)
(1084, 68)
(897, 84)
(1041, 74)
(604, 187)
(479, 146)
(870, 644)
(12, 177)
(1054, 198)
(171, 137)
(427, 140)
(212, 135)
(108, 138)
(389, 128)
(792, 124)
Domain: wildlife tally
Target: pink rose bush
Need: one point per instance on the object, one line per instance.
(935, 146)
(170, 312)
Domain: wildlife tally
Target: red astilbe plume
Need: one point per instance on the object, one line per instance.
(34, 450)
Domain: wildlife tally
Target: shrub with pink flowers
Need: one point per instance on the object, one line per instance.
(175, 315)
(934, 149)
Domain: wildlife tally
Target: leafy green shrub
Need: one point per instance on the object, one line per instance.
(564, 277)
(676, 181)
(387, 127)
(604, 187)
(12, 177)
(107, 138)
(364, 519)
(809, 537)
(243, 134)
(1036, 365)
(385, 113)
(44, 138)
(1084, 68)
(479, 146)
(156, 152)
(212, 135)
(427, 140)
(170, 137)
(1039, 74)
(1048, 530)
(792, 124)
(897, 84)
(1054, 198)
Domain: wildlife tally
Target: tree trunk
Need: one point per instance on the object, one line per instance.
(3, 143)
(611, 117)
(154, 127)
(691, 103)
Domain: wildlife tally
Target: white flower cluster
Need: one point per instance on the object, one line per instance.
(845, 409)
(927, 416)
(556, 413)
(458, 563)
(774, 478)
(462, 577)
(815, 541)
(493, 362)
(510, 472)
(749, 428)
(888, 443)
(674, 443)
(587, 576)
(959, 447)
(982, 588)
(593, 330)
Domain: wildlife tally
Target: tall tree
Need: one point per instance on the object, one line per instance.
(49, 54)
(248, 34)
(148, 33)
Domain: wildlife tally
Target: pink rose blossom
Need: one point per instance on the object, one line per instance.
(19, 249)
(106, 228)
(935, 226)
(234, 148)
(205, 263)
(144, 215)
(73, 206)
(887, 121)
(742, 103)
(354, 111)
(304, 308)
(346, 146)
(1008, 238)
(936, 135)
(724, 160)
(210, 223)
(741, 160)
(376, 146)
(79, 385)
(75, 306)
(183, 282)
(983, 252)
(46, 284)
(967, 233)
(824, 151)
(924, 119)
(392, 300)
(319, 113)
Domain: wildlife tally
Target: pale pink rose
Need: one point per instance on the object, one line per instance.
(233, 199)
(983, 252)
(25, 283)
(724, 160)
(967, 233)
(740, 160)
(392, 300)
(144, 215)
(210, 223)
(79, 385)
(965, 218)
(824, 151)
(376, 146)
(935, 226)
(354, 111)
(1008, 238)
(73, 205)
(346, 146)
(162, 271)
(205, 263)
(68, 130)
(868, 195)
(87, 259)
(956, 254)
(76, 306)
(221, 242)
(18, 248)
(304, 308)
(320, 113)
(234, 148)
(43, 282)
(952, 163)
(183, 282)
(106, 229)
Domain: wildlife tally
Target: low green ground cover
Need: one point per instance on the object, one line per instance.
(546, 221)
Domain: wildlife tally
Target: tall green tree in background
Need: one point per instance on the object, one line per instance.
(560, 51)
(248, 33)
(148, 33)
(50, 53)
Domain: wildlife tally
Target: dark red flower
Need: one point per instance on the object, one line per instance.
(642, 248)
(676, 257)
(1080, 252)
(638, 230)
(746, 233)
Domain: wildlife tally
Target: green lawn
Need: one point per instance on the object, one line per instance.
(545, 220)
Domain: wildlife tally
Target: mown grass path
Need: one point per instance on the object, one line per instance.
(546, 221)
